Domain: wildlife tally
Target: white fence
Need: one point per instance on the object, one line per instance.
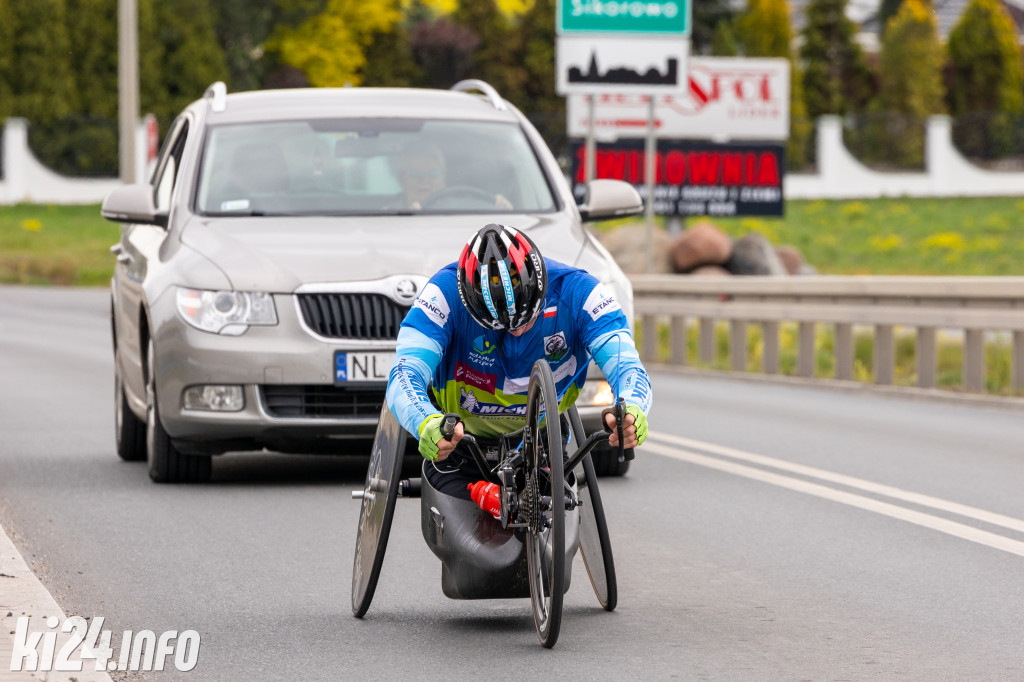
(840, 175)
(26, 179)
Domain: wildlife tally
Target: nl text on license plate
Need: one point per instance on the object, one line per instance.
(362, 366)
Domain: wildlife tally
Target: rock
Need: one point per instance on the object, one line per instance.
(628, 245)
(791, 258)
(753, 254)
(700, 244)
(710, 271)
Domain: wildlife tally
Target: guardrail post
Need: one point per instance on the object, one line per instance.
(706, 345)
(678, 340)
(805, 350)
(844, 351)
(925, 357)
(738, 345)
(884, 355)
(649, 345)
(770, 334)
(974, 360)
(1018, 360)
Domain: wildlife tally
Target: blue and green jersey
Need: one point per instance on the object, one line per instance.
(482, 374)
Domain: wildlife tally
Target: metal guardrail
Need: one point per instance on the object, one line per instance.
(975, 305)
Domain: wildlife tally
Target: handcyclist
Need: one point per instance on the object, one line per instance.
(474, 333)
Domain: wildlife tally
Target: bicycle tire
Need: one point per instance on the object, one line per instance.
(380, 492)
(545, 546)
(594, 537)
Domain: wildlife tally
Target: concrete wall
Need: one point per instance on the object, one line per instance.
(947, 173)
(840, 175)
(27, 180)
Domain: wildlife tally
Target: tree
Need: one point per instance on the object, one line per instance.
(442, 50)
(192, 58)
(724, 43)
(492, 59)
(330, 46)
(6, 59)
(763, 30)
(986, 61)
(41, 77)
(92, 30)
(887, 9)
(242, 27)
(836, 78)
(911, 84)
(708, 18)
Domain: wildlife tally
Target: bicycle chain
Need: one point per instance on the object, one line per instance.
(529, 503)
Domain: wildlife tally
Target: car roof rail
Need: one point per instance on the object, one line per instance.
(218, 96)
(480, 86)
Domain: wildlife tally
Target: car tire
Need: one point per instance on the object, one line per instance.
(129, 430)
(606, 461)
(166, 463)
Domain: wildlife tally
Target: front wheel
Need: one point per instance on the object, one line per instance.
(166, 463)
(129, 430)
(543, 499)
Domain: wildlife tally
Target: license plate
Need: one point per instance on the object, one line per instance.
(362, 366)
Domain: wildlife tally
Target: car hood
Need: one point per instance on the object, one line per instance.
(280, 254)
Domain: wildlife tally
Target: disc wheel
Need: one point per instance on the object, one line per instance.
(545, 497)
(377, 511)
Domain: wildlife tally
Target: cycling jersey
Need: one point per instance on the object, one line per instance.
(482, 375)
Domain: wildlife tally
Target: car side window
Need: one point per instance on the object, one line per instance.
(167, 166)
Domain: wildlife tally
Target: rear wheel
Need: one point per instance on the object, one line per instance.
(129, 430)
(166, 463)
(543, 500)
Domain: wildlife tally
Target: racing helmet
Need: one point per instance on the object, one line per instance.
(502, 278)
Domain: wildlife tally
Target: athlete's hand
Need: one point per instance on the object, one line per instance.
(634, 427)
(433, 445)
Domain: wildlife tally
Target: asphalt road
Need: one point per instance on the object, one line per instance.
(794, 534)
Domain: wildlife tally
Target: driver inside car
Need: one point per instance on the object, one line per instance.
(473, 334)
(421, 173)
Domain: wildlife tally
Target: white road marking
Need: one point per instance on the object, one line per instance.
(942, 525)
(849, 481)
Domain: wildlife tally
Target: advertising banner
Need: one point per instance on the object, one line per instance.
(724, 99)
(694, 178)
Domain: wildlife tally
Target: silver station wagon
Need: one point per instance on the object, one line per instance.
(263, 273)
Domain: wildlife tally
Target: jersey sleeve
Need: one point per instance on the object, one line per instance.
(609, 340)
(423, 337)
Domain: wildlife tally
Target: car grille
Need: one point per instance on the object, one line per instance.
(321, 401)
(352, 316)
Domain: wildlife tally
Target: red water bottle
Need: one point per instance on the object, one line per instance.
(486, 495)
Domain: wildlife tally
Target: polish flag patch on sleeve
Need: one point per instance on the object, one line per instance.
(551, 312)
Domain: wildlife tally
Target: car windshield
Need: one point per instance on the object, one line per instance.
(370, 167)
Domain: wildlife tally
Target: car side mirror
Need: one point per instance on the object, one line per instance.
(607, 199)
(133, 204)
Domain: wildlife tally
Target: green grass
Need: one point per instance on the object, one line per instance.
(961, 236)
(69, 244)
(56, 245)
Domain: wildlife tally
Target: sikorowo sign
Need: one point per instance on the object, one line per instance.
(648, 65)
(626, 16)
(694, 178)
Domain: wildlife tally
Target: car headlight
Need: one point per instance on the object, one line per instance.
(596, 392)
(225, 312)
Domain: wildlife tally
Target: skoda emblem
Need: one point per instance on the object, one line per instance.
(405, 290)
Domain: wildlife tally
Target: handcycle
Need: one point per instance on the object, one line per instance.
(550, 505)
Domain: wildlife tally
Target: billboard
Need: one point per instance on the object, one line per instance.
(692, 177)
(725, 99)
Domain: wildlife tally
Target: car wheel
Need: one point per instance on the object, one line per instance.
(129, 430)
(166, 464)
(606, 461)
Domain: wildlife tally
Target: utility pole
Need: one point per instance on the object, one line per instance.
(127, 85)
